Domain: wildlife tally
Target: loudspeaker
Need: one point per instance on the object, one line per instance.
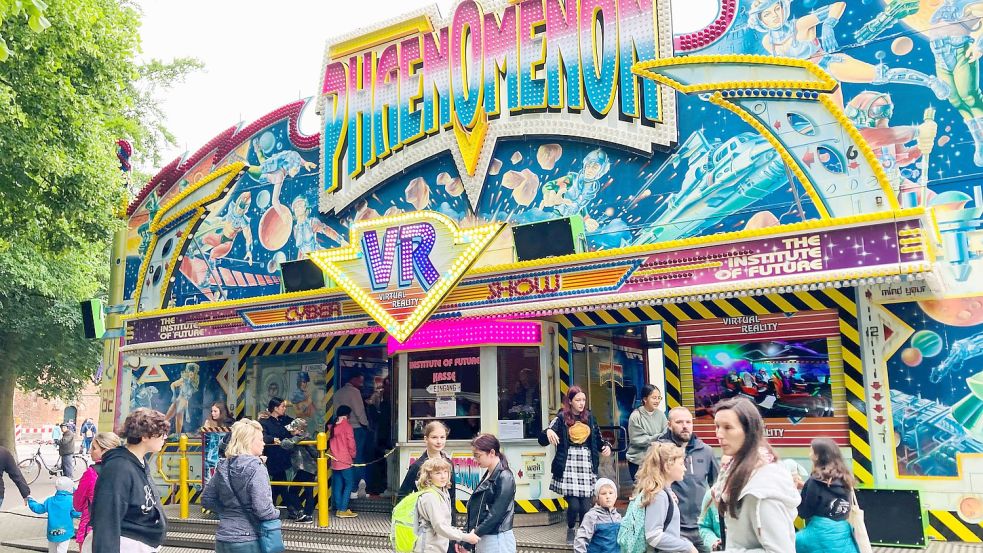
(93, 325)
(892, 517)
(303, 274)
(551, 238)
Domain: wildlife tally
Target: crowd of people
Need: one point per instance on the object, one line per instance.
(683, 498)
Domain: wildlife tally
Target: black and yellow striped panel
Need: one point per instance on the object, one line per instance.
(947, 526)
(536, 505)
(843, 300)
(328, 344)
(171, 497)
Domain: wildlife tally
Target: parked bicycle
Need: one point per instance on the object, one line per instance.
(31, 468)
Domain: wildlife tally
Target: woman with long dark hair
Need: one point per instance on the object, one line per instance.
(826, 500)
(758, 498)
(577, 438)
(490, 508)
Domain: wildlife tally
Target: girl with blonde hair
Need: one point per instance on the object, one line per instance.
(663, 465)
(435, 436)
(433, 509)
(239, 492)
(82, 499)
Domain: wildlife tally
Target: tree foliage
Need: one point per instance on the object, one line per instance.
(66, 95)
(18, 10)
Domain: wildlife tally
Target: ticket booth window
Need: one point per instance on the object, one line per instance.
(519, 388)
(445, 385)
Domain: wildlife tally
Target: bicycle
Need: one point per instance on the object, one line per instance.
(31, 468)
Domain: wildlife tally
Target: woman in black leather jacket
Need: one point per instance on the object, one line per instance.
(490, 508)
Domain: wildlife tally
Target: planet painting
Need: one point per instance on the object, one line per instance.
(927, 342)
(911, 357)
(955, 311)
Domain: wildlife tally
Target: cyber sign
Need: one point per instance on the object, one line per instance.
(400, 268)
(398, 93)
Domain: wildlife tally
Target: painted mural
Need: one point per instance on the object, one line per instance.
(936, 388)
(907, 82)
(183, 391)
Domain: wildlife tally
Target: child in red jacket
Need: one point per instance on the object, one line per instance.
(342, 446)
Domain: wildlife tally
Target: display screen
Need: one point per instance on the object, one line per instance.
(785, 379)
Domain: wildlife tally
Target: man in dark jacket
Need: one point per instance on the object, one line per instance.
(9, 465)
(701, 472)
(127, 516)
(66, 448)
(278, 458)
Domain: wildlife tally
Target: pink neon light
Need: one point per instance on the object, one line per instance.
(446, 334)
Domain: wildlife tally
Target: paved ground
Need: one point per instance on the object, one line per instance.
(17, 523)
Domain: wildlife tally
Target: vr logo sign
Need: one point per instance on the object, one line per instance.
(426, 250)
(414, 243)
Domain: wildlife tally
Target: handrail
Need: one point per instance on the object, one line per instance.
(323, 487)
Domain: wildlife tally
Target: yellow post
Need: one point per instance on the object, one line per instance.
(322, 481)
(182, 492)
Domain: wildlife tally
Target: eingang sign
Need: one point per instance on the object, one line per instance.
(400, 268)
(398, 93)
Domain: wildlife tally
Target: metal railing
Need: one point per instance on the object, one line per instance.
(183, 481)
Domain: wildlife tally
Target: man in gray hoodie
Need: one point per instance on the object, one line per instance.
(701, 473)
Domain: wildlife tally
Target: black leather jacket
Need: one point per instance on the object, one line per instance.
(491, 506)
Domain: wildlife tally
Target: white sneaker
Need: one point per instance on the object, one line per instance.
(353, 495)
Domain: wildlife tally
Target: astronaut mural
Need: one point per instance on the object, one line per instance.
(907, 76)
(183, 391)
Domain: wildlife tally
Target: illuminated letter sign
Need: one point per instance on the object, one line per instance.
(395, 94)
(400, 268)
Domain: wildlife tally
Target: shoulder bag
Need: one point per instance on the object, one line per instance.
(269, 531)
(856, 519)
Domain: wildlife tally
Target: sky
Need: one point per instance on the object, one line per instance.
(260, 55)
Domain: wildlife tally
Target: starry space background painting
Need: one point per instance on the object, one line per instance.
(935, 410)
(925, 127)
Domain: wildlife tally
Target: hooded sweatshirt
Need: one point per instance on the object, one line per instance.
(825, 499)
(643, 429)
(252, 486)
(60, 514)
(125, 504)
(701, 473)
(766, 512)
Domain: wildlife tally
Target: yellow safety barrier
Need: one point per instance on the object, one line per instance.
(323, 474)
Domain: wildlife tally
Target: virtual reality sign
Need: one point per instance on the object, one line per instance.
(400, 268)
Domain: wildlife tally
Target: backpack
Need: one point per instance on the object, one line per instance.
(405, 526)
(631, 535)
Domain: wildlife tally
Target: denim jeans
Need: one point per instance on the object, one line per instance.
(496, 543)
(242, 547)
(66, 465)
(362, 436)
(342, 484)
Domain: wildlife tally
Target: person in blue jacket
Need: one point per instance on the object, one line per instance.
(60, 513)
(827, 497)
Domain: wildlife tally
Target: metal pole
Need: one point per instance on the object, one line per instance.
(183, 476)
(323, 489)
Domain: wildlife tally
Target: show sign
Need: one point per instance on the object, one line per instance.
(398, 93)
(400, 268)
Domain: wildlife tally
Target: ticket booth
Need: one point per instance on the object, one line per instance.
(502, 380)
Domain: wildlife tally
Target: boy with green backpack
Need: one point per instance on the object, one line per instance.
(422, 520)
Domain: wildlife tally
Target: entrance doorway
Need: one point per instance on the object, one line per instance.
(612, 364)
(374, 365)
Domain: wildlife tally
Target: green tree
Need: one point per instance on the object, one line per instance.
(32, 10)
(66, 95)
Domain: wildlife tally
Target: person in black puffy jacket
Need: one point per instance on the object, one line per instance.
(277, 457)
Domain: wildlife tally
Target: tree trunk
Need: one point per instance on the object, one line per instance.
(7, 411)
